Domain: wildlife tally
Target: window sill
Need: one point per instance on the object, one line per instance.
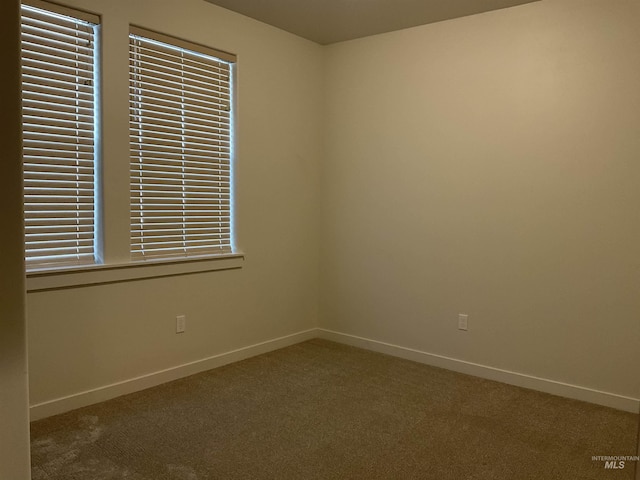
(101, 274)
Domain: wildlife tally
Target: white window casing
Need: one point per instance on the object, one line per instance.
(180, 147)
(59, 157)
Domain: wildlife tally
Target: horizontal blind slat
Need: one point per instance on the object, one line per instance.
(207, 81)
(153, 51)
(180, 144)
(58, 55)
(155, 130)
(174, 103)
(161, 110)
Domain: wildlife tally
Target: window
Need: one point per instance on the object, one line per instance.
(180, 147)
(59, 103)
(180, 140)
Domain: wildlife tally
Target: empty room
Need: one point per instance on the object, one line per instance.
(320, 240)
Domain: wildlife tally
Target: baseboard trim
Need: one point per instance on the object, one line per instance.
(107, 392)
(553, 387)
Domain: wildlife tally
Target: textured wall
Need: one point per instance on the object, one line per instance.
(486, 165)
(489, 166)
(83, 338)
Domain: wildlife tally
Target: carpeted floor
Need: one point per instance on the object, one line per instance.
(319, 410)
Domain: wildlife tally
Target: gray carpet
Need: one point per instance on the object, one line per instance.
(319, 410)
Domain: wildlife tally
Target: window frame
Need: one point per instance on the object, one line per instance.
(218, 162)
(113, 259)
(52, 172)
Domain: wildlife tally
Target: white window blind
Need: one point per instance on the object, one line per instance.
(58, 78)
(180, 147)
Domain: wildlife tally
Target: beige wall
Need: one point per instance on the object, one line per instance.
(491, 166)
(14, 415)
(84, 338)
(486, 165)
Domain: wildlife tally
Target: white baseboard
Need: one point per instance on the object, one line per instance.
(100, 394)
(107, 392)
(490, 373)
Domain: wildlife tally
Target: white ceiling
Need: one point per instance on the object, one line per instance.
(330, 21)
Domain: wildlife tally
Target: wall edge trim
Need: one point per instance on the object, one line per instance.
(530, 382)
(100, 394)
(107, 392)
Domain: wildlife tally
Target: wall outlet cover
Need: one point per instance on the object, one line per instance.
(463, 321)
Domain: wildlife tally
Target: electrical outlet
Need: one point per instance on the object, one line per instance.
(181, 323)
(463, 320)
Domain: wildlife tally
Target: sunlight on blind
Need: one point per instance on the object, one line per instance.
(180, 147)
(58, 57)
